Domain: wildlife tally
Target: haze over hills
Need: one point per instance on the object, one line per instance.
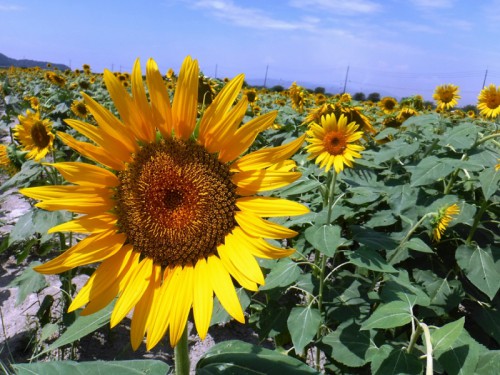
(6, 62)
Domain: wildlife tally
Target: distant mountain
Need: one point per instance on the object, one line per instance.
(6, 62)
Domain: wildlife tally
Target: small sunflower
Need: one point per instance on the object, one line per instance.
(6, 164)
(443, 219)
(333, 143)
(251, 95)
(172, 217)
(34, 102)
(388, 104)
(405, 113)
(446, 96)
(297, 96)
(34, 134)
(488, 101)
(79, 108)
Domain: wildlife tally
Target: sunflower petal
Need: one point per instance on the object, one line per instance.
(270, 206)
(224, 288)
(202, 298)
(260, 247)
(238, 275)
(185, 104)
(141, 108)
(253, 182)
(257, 227)
(86, 174)
(87, 224)
(160, 100)
(181, 291)
(242, 259)
(160, 313)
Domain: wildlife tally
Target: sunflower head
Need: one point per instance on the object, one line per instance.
(173, 207)
(333, 143)
(488, 101)
(34, 134)
(446, 96)
(388, 104)
(298, 97)
(79, 108)
(251, 95)
(405, 113)
(7, 165)
(442, 220)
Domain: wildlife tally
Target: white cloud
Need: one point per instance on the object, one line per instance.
(433, 4)
(339, 6)
(247, 17)
(9, 8)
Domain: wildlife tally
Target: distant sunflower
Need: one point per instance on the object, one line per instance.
(405, 113)
(443, 219)
(333, 143)
(388, 104)
(34, 102)
(446, 96)
(488, 101)
(171, 218)
(497, 167)
(6, 164)
(251, 95)
(79, 108)
(297, 96)
(34, 134)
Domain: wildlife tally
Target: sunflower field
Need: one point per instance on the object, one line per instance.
(348, 237)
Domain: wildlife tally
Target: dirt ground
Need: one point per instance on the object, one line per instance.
(18, 323)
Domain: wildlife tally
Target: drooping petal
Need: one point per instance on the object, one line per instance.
(160, 312)
(86, 174)
(202, 298)
(260, 247)
(181, 291)
(224, 288)
(237, 274)
(242, 259)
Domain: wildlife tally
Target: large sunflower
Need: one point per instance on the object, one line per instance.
(34, 134)
(333, 143)
(446, 96)
(489, 101)
(172, 217)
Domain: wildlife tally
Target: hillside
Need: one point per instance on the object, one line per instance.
(6, 62)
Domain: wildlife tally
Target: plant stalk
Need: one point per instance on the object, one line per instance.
(181, 353)
(477, 220)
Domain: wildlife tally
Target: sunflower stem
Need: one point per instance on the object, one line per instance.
(477, 219)
(181, 353)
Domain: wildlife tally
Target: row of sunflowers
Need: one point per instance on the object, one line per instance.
(352, 236)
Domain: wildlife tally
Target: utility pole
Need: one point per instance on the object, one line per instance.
(265, 77)
(484, 80)
(215, 71)
(345, 82)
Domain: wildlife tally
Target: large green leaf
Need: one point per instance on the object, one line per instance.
(369, 259)
(283, 274)
(480, 267)
(490, 182)
(400, 288)
(428, 171)
(373, 239)
(391, 361)
(325, 238)
(389, 315)
(132, 367)
(28, 282)
(82, 326)
(445, 336)
(402, 199)
(488, 363)
(237, 357)
(460, 137)
(303, 324)
(488, 318)
(444, 294)
(349, 345)
(461, 357)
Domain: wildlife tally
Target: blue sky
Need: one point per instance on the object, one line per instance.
(392, 47)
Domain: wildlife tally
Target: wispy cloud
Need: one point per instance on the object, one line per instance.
(433, 4)
(10, 8)
(246, 17)
(339, 6)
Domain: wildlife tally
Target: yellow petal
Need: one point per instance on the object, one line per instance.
(160, 100)
(87, 224)
(109, 271)
(252, 182)
(216, 112)
(224, 288)
(237, 274)
(245, 136)
(142, 310)
(141, 108)
(265, 157)
(257, 227)
(137, 285)
(260, 247)
(202, 298)
(94, 248)
(160, 313)
(66, 191)
(92, 152)
(185, 104)
(270, 206)
(86, 174)
(181, 296)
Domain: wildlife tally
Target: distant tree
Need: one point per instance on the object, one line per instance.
(469, 107)
(374, 97)
(319, 90)
(277, 88)
(359, 96)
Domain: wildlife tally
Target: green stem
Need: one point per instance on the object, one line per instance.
(181, 353)
(487, 138)
(477, 220)
(331, 194)
(428, 349)
(414, 337)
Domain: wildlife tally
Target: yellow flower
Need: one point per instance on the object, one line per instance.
(333, 142)
(6, 163)
(388, 104)
(34, 134)
(497, 167)
(443, 219)
(172, 219)
(251, 95)
(489, 101)
(405, 113)
(446, 96)
(297, 96)
(34, 102)
(79, 109)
